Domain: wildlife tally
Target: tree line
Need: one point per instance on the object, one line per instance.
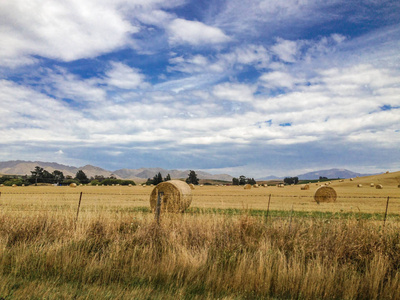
(242, 180)
(40, 175)
(191, 179)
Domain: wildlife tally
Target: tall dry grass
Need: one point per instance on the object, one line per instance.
(198, 256)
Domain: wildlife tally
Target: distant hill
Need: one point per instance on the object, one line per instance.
(331, 173)
(271, 177)
(20, 167)
(150, 172)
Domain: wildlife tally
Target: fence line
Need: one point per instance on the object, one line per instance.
(343, 196)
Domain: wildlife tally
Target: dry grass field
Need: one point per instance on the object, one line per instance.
(223, 248)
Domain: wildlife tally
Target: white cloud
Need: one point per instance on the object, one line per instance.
(124, 77)
(286, 50)
(195, 33)
(66, 30)
(234, 92)
(278, 79)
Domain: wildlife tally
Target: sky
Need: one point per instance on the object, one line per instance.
(252, 88)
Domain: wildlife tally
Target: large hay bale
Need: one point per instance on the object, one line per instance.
(379, 186)
(177, 196)
(73, 185)
(247, 186)
(305, 187)
(325, 194)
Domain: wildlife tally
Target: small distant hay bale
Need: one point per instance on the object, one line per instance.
(387, 172)
(177, 196)
(247, 186)
(341, 180)
(191, 185)
(255, 186)
(379, 186)
(305, 187)
(351, 179)
(1, 185)
(359, 185)
(73, 185)
(201, 185)
(281, 185)
(325, 194)
(372, 184)
(23, 184)
(14, 185)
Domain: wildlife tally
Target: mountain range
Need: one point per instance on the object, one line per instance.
(20, 167)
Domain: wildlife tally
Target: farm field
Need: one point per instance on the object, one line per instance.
(223, 247)
(351, 198)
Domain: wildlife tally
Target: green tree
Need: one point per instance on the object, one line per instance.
(192, 178)
(235, 181)
(242, 180)
(58, 176)
(157, 178)
(37, 175)
(167, 178)
(81, 177)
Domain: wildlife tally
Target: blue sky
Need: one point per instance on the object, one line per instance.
(237, 87)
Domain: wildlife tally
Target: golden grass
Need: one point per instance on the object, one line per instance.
(115, 252)
(195, 256)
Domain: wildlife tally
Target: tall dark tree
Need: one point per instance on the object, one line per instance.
(58, 176)
(37, 174)
(192, 178)
(235, 181)
(242, 180)
(81, 176)
(167, 178)
(157, 178)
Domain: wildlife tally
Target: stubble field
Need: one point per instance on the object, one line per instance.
(224, 247)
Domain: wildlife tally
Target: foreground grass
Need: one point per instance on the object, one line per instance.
(195, 256)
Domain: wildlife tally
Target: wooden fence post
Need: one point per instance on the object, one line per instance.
(79, 205)
(269, 201)
(384, 218)
(158, 206)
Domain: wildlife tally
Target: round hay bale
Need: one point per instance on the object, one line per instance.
(177, 196)
(191, 185)
(73, 185)
(14, 185)
(379, 186)
(372, 185)
(351, 179)
(305, 187)
(281, 185)
(255, 186)
(359, 185)
(325, 194)
(247, 186)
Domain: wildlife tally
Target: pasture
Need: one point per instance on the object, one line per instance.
(222, 247)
